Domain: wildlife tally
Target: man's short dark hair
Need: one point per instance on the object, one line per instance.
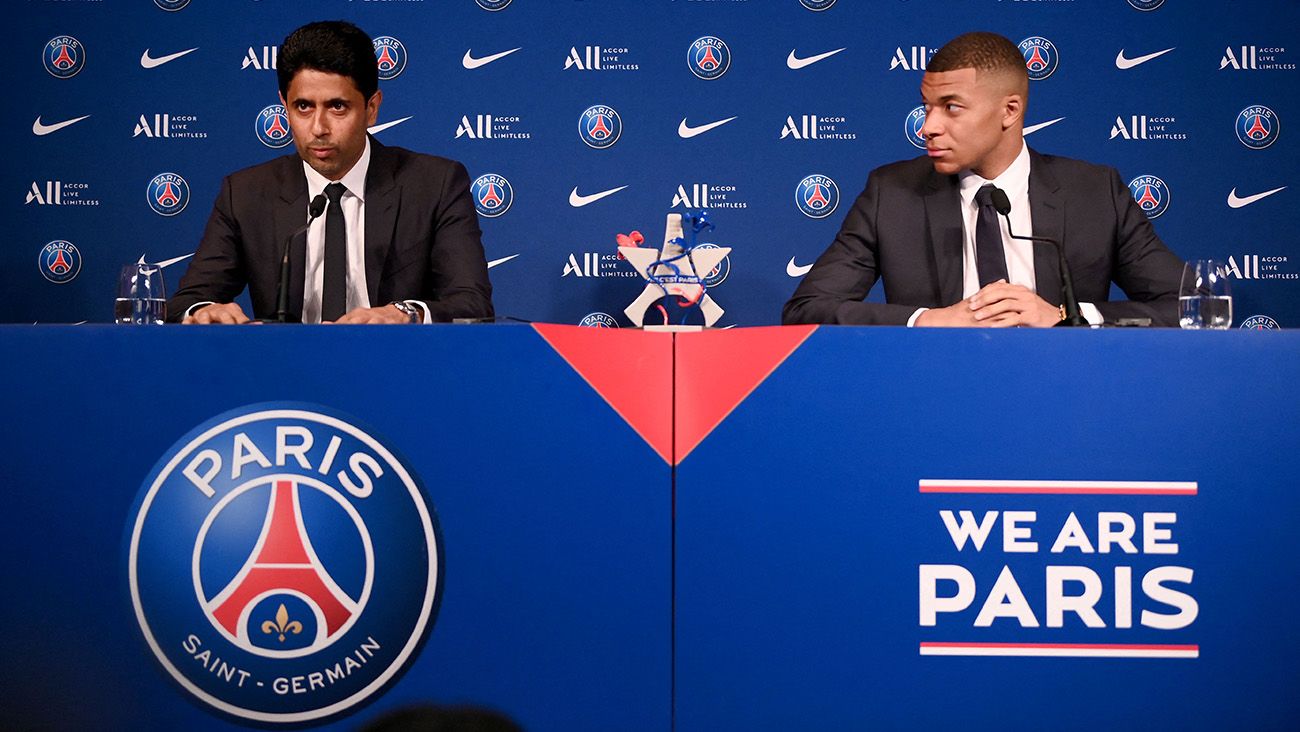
(332, 46)
(981, 51)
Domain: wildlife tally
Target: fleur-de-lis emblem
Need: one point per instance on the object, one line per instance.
(282, 624)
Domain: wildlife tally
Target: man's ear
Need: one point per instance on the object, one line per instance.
(1013, 111)
(372, 107)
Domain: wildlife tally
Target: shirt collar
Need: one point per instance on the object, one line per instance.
(354, 180)
(1014, 180)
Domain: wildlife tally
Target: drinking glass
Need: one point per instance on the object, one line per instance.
(141, 298)
(1205, 296)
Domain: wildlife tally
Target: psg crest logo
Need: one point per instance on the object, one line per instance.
(493, 5)
(718, 274)
(817, 196)
(273, 127)
(708, 57)
(600, 126)
(1260, 322)
(492, 194)
(598, 320)
(912, 128)
(1151, 194)
(64, 56)
(284, 564)
(817, 5)
(1257, 127)
(171, 5)
(390, 56)
(167, 194)
(1041, 57)
(59, 262)
(1146, 5)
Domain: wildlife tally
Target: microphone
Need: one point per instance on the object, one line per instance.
(314, 210)
(1072, 316)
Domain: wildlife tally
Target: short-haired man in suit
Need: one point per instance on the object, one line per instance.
(399, 241)
(928, 228)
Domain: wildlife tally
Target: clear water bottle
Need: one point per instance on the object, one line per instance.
(141, 295)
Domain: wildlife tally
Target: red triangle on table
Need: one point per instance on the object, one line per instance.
(630, 369)
(717, 370)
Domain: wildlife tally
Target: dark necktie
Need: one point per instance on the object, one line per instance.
(334, 295)
(990, 259)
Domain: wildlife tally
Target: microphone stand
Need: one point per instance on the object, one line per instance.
(1073, 318)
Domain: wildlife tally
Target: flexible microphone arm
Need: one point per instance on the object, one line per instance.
(1073, 318)
(314, 210)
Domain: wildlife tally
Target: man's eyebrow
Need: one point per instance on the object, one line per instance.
(328, 102)
(946, 97)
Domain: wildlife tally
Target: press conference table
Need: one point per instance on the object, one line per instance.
(766, 528)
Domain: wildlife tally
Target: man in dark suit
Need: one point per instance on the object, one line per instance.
(399, 240)
(928, 228)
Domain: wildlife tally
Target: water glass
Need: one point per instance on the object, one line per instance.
(141, 296)
(1205, 296)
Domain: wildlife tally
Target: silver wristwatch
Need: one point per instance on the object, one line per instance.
(412, 312)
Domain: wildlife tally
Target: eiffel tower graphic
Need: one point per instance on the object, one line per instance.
(283, 560)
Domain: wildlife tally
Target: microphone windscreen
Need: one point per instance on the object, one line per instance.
(1001, 202)
(317, 206)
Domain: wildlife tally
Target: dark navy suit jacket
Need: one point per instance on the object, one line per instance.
(906, 230)
(422, 238)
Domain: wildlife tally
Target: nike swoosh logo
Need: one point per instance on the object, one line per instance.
(1128, 63)
(149, 62)
(470, 62)
(502, 260)
(685, 131)
(795, 270)
(797, 63)
(1031, 129)
(577, 201)
(1236, 202)
(43, 129)
(380, 128)
(168, 262)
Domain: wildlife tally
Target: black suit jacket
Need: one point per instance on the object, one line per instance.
(422, 238)
(906, 229)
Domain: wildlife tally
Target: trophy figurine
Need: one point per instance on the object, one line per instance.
(676, 270)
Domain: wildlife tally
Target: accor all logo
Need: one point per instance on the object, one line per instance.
(1145, 127)
(595, 264)
(59, 193)
(1254, 58)
(1259, 267)
(261, 58)
(165, 125)
(914, 58)
(707, 196)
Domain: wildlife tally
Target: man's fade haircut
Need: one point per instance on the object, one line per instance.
(332, 46)
(982, 51)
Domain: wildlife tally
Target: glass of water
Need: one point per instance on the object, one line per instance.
(1205, 297)
(141, 298)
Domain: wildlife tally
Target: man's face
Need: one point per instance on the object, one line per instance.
(967, 121)
(329, 118)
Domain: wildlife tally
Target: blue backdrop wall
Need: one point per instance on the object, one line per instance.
(726, 104)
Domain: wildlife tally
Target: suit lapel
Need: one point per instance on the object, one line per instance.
(290, 215)
(1047, 209)
(943, 214)
(381, 215)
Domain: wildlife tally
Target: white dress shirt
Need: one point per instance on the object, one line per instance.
(353, 203)
(1014, 181)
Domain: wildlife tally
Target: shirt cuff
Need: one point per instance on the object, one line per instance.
(1091, 313)
(911, 321)
(423, 308)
